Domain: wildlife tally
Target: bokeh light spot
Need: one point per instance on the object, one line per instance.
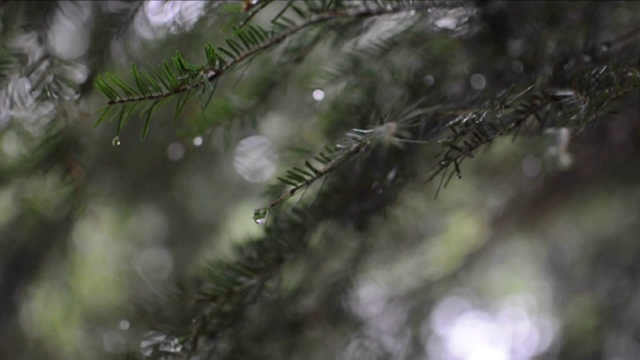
(113, 342)
(176, 151)
(154, 263)
(429, 80)
(478, 82)
(531, 166)
(318, 95)
(255, 158)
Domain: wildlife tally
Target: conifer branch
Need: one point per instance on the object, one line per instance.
(158, 84)
(471, 129)
(232, 286)
(596, 88)
(356, 142)
(300, 178)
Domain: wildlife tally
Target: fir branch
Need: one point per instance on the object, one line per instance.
(355, 142)
(303, 178)
(211, 73)
(165, 81)
(596, 88)
(232, 286)
(241, 108)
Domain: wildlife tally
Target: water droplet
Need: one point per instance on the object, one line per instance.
(605, 46)
(116, 141)
(260, 216)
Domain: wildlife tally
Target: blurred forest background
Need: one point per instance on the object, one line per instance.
(113, 247)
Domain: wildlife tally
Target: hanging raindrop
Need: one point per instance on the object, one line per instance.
(260, 216)
(116, 141)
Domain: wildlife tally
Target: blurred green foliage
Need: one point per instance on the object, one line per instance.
(149, 248)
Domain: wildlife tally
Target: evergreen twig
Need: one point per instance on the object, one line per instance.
(158, 84)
